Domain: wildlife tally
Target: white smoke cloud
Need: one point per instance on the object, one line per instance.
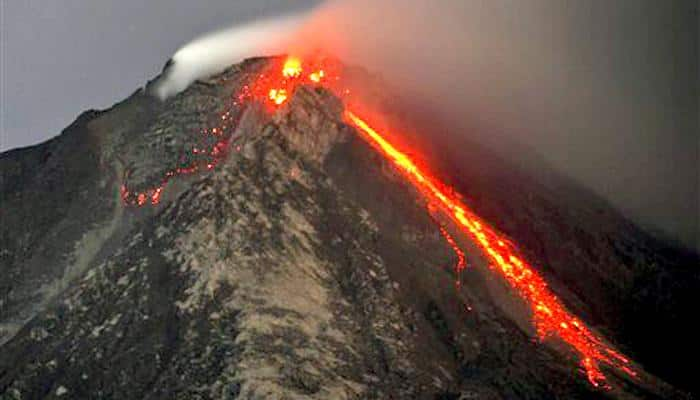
(215, 51)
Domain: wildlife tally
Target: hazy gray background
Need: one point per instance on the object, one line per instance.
(62, 57)
(607, 91)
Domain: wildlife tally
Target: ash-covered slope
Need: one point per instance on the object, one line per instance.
(298, 266)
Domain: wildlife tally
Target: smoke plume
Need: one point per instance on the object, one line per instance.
(212, 53)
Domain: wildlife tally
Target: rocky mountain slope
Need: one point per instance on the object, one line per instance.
(300, 265)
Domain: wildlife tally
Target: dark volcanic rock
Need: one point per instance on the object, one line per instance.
(302, 266)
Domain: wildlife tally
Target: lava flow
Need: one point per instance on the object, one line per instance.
(461, 258)
(551, 318)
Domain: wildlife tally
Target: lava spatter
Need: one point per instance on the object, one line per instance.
(461, 259)
(461, 264)
(215, 141)
(152, 196)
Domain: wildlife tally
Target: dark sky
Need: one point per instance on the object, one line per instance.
(60, 58)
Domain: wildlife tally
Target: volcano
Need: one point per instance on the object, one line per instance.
(282, 230)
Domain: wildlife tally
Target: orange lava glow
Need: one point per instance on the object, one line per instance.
(317, 76)
(278, 96)
(461, 259)
(276, 84)
(210, 157)
(550, 317)
(292, 68)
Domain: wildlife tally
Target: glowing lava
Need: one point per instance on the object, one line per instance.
(292, 68)
(317, 76)
(461, 259)
(278, 96)
(208, 159)
(551, 318)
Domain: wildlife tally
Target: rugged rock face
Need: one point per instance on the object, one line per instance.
(299, 266)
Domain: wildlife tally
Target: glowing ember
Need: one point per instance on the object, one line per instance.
(207, 157)
(152, 196)
(292, 68)
(317, 76)
(278, 96)
(461, 259)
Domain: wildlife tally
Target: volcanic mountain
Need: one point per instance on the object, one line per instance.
(256, 236)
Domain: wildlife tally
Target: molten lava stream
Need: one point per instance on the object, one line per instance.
(551, 318)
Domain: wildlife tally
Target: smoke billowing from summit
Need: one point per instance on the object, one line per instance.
(212, 53)
(606, 92)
